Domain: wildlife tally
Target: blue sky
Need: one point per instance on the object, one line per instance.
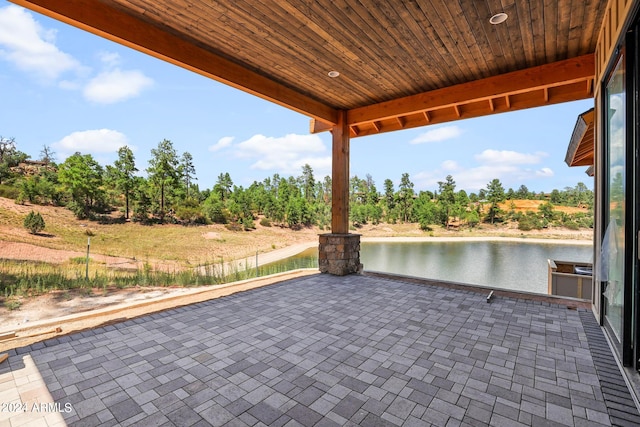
(73, 91)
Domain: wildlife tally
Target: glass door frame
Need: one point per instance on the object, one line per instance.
(627, 346)
(631, 355)
(614, 323)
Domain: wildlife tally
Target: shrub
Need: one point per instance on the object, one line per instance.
(529, 222)
(425, 226)
(12, 304)
(525, 225)
(80, 211)
(9, 191)
(248, 224)
(265, 222)
(234, 226)
(34, 222)
(190, 215)
(473, 218)
(141, 214)
(571, 225)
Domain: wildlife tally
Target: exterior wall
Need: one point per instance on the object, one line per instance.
(613, 26)
(339, 254)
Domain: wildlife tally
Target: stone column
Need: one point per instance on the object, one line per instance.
(339, 254)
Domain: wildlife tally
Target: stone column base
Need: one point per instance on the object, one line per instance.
(339, 254)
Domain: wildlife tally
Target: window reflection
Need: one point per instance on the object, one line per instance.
(616, 131)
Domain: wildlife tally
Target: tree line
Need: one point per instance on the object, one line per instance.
(170, 193)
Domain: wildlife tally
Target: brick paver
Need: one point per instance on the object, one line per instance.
(322, 350)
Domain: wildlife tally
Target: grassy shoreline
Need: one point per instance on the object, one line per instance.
(19, 278)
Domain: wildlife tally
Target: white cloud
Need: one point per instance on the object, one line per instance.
(506, 157)
(32, 49)
(286, 155)
(110, 59)
(437, 135)
(25, 43)
(450, 165)
(116, 85)
(510, 167)
(222, 143)
(472, 179)
(91, 142)
(545, 173)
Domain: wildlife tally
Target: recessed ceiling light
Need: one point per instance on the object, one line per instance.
(498, 18)
(333, 74)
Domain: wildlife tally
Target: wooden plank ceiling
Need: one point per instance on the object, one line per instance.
(402, 63)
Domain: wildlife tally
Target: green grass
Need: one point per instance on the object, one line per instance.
(26, 279)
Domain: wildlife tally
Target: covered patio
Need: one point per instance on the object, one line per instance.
(330, 350)
(353, 349)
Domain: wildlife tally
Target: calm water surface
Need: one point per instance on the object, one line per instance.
(506, 265)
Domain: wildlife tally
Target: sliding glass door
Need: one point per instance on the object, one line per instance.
(620, 181)
(614, 241)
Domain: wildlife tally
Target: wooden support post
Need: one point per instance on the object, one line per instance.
(340, 176)
(339, 251)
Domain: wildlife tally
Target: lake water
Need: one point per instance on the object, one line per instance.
(497, 264)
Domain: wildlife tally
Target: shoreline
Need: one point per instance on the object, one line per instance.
(284, 253)
(447, 239)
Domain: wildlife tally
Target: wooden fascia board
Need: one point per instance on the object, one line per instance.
(113, 24)
(542, 77)
(581, 146)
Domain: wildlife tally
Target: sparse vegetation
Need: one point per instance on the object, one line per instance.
(34, 222)
(20, 279)
(12, 304)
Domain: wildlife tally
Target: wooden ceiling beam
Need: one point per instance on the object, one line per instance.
(545, 76)
(113, 24)
(474, 108)
(520, 101)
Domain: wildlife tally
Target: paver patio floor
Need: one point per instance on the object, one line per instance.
(327, 351)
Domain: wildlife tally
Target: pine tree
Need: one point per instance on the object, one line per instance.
(34, 222)
(81, 178)
(163, 170)
(447, 198)
(125, 168)
(188, 170)
(405, 197)
(495, 195)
